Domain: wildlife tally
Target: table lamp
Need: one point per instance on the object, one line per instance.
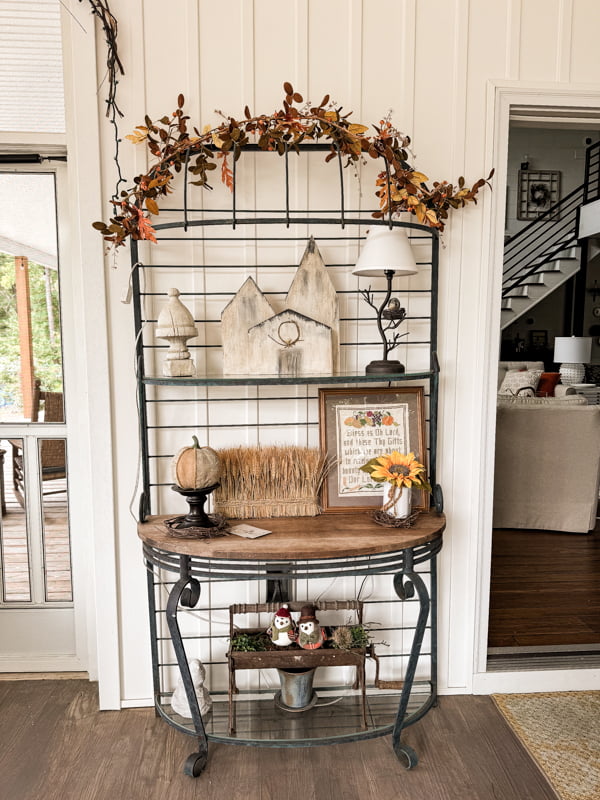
(386, 253)
(572, 352)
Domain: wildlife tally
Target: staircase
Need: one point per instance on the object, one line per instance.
(545, 254)
(541, 257)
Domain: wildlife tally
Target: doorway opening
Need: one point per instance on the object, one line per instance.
(545, 584)
(37, 626)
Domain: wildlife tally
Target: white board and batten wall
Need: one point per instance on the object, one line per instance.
(449, 69)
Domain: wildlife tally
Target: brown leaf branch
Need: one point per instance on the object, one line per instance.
(175, 147)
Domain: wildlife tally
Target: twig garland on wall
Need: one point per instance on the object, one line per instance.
(114, 67)
(399, 188)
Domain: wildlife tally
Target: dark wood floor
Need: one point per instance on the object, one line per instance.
(55, 745)
(545, 589)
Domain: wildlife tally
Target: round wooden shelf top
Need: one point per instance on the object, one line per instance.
(300, 538)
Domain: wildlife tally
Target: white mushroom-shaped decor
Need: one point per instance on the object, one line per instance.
(176, 325)
(196, 467)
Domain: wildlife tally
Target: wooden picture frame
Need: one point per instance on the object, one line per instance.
(538, 339)
(539, 190)
(356, 425)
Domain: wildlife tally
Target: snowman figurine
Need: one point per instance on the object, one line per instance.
(310, 635)
(282, 630)
(179, 701)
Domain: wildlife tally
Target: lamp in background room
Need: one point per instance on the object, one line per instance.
(386, 253)
(572, 352)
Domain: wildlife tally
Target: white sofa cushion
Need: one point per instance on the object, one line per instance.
(504, 366)
(561, 391)
(518, 381)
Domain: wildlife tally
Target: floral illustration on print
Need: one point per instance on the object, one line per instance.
(361, 418)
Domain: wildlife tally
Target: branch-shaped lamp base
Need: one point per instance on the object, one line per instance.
(384, 368)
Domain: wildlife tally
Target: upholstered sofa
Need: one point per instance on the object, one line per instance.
(547, 471)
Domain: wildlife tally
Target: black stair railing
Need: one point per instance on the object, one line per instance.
(526, 253)
(592, 173)
(538, 243)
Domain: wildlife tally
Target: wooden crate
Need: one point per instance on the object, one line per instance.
(293, 656)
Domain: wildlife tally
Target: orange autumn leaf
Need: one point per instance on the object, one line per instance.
(226, 172)
(145, 229)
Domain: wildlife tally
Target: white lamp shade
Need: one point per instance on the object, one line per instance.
(572, 349)
(385, 249)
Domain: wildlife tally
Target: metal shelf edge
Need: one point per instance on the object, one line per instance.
(278, 380)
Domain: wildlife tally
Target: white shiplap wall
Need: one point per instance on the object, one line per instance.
(31, 72)
(436, 63)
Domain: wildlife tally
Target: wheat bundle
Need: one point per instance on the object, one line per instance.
(272, 481)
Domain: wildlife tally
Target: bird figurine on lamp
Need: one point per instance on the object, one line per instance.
(386, 253)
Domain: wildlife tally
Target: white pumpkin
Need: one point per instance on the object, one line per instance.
(196, 467)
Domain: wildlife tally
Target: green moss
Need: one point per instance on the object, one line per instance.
(250, 642)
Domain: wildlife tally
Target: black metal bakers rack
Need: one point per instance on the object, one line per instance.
(171, 408)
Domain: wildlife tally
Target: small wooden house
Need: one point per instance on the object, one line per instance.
(290, 343)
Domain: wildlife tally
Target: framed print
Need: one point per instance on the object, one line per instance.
(356, 425)
(539, 340)
(538, 192)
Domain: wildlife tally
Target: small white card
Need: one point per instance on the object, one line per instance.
(248, 531)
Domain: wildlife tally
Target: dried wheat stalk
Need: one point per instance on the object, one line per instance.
(273, 481)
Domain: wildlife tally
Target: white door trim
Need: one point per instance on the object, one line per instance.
(93, 508)
(502, 96)
(43, 635)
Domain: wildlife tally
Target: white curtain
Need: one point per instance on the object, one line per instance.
(31, 78)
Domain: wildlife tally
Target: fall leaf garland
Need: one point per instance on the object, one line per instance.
(399, 188)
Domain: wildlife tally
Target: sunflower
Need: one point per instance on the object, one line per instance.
(398, 469)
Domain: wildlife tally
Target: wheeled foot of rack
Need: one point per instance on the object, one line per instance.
(406, 755)
(195, 764)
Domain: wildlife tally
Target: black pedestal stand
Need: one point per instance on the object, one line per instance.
(197, 517)
(384, 367)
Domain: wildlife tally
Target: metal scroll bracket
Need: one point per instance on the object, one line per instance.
(186, 593)
(405, 584)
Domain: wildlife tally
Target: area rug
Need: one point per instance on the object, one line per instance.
(561, 731)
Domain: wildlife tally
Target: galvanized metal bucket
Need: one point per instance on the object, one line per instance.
(296, 689)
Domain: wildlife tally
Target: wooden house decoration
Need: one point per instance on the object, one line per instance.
(302, 339)
(290, 343)
(313, 294)
(247, 308)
